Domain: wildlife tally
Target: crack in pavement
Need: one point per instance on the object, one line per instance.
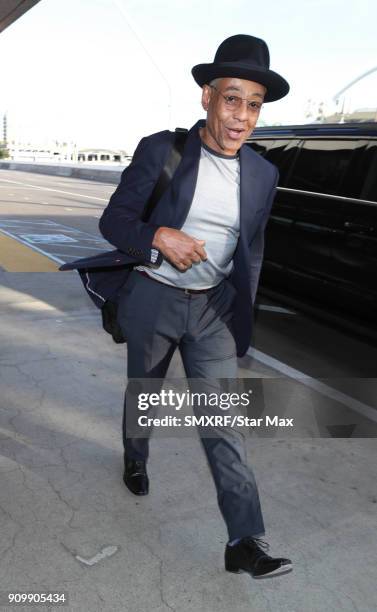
(161, 573)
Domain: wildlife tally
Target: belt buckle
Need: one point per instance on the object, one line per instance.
(187, 291)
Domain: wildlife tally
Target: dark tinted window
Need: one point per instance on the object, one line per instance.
(321, 165)
(261, 146)
(369, 185)
(279, 152)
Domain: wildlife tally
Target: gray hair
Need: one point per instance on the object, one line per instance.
(214, 82)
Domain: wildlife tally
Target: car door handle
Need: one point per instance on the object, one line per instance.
(358, 227)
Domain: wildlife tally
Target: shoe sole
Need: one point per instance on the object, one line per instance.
(279, 571)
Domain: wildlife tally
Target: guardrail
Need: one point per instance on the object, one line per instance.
(103, 175)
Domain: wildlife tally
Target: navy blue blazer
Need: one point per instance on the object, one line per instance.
(122, 226)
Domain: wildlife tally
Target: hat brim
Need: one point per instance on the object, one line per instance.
(276, 86)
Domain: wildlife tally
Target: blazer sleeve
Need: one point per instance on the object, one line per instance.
(121, 223)
(257, 245)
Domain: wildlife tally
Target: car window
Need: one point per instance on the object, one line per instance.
(280, 152)
(322, 164)
(369, 185)
(261, 146)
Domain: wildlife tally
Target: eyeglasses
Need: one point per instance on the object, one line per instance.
(235, 102)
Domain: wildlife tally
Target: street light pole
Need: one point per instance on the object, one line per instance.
(337, 96)
(144, 47)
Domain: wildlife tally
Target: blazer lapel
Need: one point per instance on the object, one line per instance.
(185, 178)
(249, 194)
(172, 209)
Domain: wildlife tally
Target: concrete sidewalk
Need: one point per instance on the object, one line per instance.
(69, 524)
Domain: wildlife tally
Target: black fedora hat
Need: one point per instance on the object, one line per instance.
(243, 57)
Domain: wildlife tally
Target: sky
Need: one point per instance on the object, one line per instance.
(104, 73)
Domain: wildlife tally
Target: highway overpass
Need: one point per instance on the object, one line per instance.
(11, 10)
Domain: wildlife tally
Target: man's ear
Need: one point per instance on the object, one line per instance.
(206, 96)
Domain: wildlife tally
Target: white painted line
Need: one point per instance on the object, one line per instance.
(14, 224)
(80, 246)
(368, 411)
(71, 230)
(108, 551)
(93, 240)
(66, 256)
(47, 238)
(80, 195)
(32, 246)
(19, 222)
(275, 309)
(68, 208)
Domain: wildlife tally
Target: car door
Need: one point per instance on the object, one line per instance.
(355, 247)
(313, 187)
(279, 248)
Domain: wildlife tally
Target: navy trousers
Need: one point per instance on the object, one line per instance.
(157, 319)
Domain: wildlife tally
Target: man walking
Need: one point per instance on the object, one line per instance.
(198, 263)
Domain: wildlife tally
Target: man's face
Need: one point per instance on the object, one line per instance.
(230, 120)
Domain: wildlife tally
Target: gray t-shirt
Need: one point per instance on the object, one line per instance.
(214, 216)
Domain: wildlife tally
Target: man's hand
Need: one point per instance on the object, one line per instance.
(179, 248)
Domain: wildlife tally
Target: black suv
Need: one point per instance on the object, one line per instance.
(321, 238)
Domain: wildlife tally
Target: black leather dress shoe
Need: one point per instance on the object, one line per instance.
(135, 477)
(248, 556)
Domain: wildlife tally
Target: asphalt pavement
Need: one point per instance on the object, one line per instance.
(69, 525)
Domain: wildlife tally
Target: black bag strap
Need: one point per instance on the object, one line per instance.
(109, 309)
(167, 172)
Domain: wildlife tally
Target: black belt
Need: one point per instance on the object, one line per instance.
(187, 291)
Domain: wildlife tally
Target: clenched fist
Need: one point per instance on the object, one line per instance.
(179, 248)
